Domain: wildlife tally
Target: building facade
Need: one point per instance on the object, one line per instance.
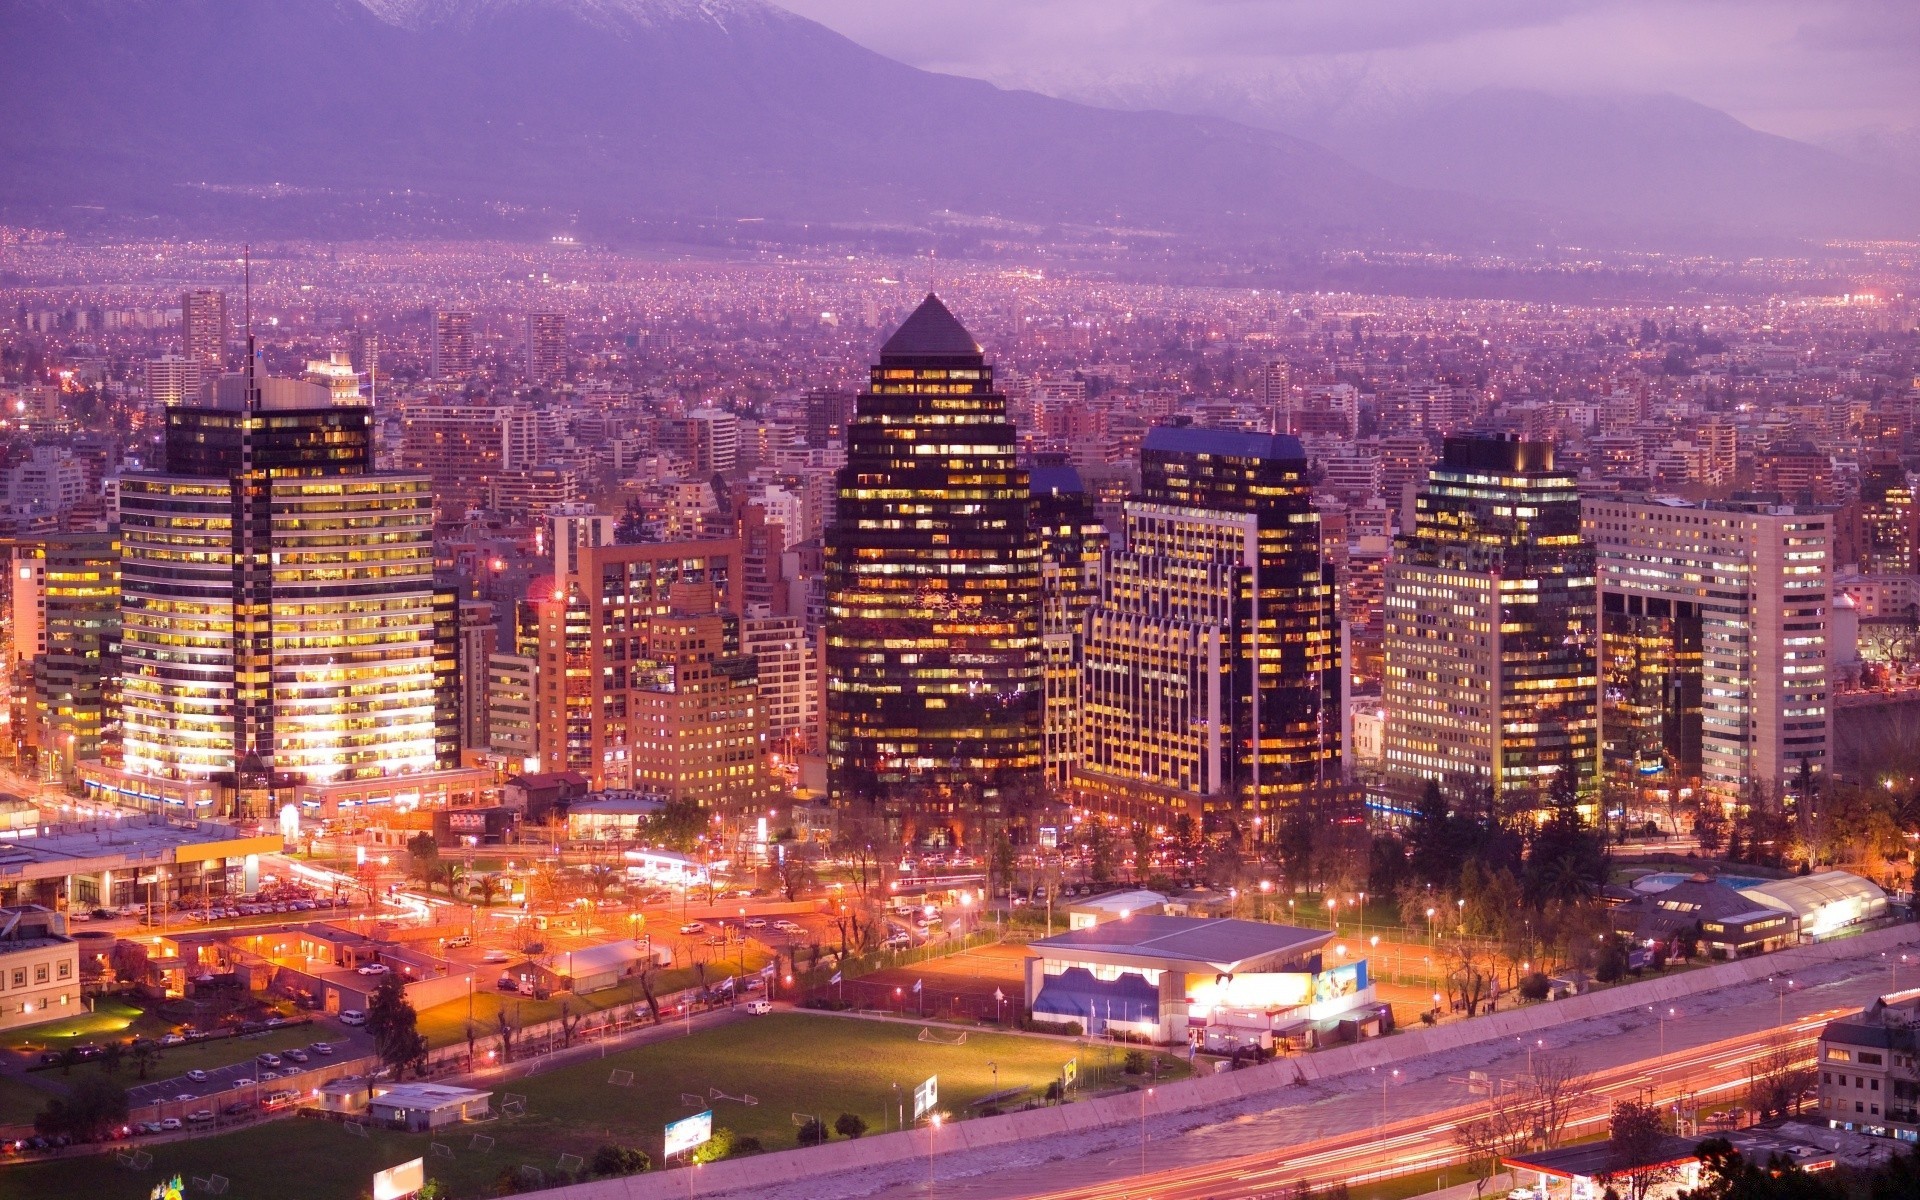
(277, 603)
(1212, 657)
(451, 347)
(933, 655)
(1073, 546)
(1488, 630)
(1714, 633)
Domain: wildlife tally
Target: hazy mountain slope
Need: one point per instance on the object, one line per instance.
(614, 109)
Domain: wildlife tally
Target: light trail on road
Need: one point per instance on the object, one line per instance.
(1425, 1142)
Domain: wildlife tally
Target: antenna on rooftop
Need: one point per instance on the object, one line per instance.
(246, 261)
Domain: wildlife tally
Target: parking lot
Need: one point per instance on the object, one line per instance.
(245, 1079)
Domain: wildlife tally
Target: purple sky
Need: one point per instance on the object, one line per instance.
(1804, 68)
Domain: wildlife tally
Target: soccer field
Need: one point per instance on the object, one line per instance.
(790, 1063)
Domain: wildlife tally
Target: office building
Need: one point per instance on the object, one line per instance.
(1870, 1069)
(546, 348)
(789, 680)
(1487, 630)
(699, 733)
(934, 669)
(1073, 544)
(203, 330)
(512, 736)
(1212, 678)
(1276, 394)
(1888, 520)
(451, 351)
(277, 601)
(1714, 637)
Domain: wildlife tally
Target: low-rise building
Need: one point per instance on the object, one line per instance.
(39, 968)
(1225, 983)
(418, 1107)
(1726, 923)
(1869, 1077)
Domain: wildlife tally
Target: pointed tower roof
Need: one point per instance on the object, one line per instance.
(931, 332)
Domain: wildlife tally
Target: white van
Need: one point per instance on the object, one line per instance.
(353, 1016)
(759, 1008)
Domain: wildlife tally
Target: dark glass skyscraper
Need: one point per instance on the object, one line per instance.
(933, 650)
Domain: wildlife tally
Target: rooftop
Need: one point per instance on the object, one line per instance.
(54, 850)
(1228, 443)
(1221, 944)
(1590, 1159)
(931, 332)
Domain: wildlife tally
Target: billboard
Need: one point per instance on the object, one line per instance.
(1070, 1072)
(403, 1180)
(926, 1096)
(1340, 983)
(689, 1133)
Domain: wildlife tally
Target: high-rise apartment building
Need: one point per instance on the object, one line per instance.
(934, 667)
(461, 448)
(546, 348)
(1889, 520)
(203, 329)
(277, 600)
(1713, 633)
(451, 351)
(789, 674)
(1073, 545)
(1276, 394)
(699, 733)
(1212, 661)
(173, 378)
(1488, 630)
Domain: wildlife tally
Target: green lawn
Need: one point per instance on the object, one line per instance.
(789, 1062)
(112, 1017)
(20, 1100)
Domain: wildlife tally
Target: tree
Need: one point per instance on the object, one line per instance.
(795, 871)
(145, 1054)
(1484, 1141)
(485, 887)
(1100, 851)
(620, 1160)
(1142, 839)
(1556, 1088)
(1635, 1151)
(423, 858)
(569, 1022)
(451, 873)
(813, 1132)
(849, 1125)
(679, 824)
(393, 1025)
(1780, 1080)
(129, 961)
(601, 878)
(504, 1026)
(1469, 977)
(92, 1106)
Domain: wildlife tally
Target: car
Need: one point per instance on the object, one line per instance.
(714, 939)
(322, 1048)
(200, 1116)
(268, 1058)
(169, 1124)
(458, 940)
(296, 1055)
(693, 927)
(198, 1076)
(759, 1008)
(173, 1039)
(353, 1016)
(239, 1108)
(104, 914)
(756, 922)
(506, 982)
(495, 956)
(374, 969)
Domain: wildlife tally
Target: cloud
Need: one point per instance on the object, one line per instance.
(1785, 65)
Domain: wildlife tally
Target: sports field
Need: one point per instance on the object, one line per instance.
(791, 1064)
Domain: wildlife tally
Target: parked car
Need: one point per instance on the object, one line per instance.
(169, 1124)
(693, 927)
(353, 1016)
(759, 1008)
(268, 1059)
(198, 1076)
(200, 1116)
(297, 1055)
(322, 1048)
(374, 969)
(507, 982)
(173, 1039)
(756, 922)
(458, 940)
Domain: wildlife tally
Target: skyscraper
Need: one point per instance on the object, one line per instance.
(1889, 520)
(276, 599)
(452, 348)
(75, 680)
(203, 329)
(1488, 629)
(546, 348)
(1276, 394)
(463, 447)
(1212, 674)
(1714, 638)
(1073, 544)
(933, 592)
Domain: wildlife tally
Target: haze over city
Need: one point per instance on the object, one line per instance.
(647, 598)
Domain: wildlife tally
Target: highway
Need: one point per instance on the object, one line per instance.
(1712, 1074)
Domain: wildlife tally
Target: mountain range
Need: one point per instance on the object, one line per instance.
(630, 117)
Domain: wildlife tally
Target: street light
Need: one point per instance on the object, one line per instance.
(1333, 916)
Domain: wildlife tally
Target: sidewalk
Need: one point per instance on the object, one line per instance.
(1496, 1189)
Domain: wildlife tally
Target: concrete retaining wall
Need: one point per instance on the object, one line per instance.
(784, 1167)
